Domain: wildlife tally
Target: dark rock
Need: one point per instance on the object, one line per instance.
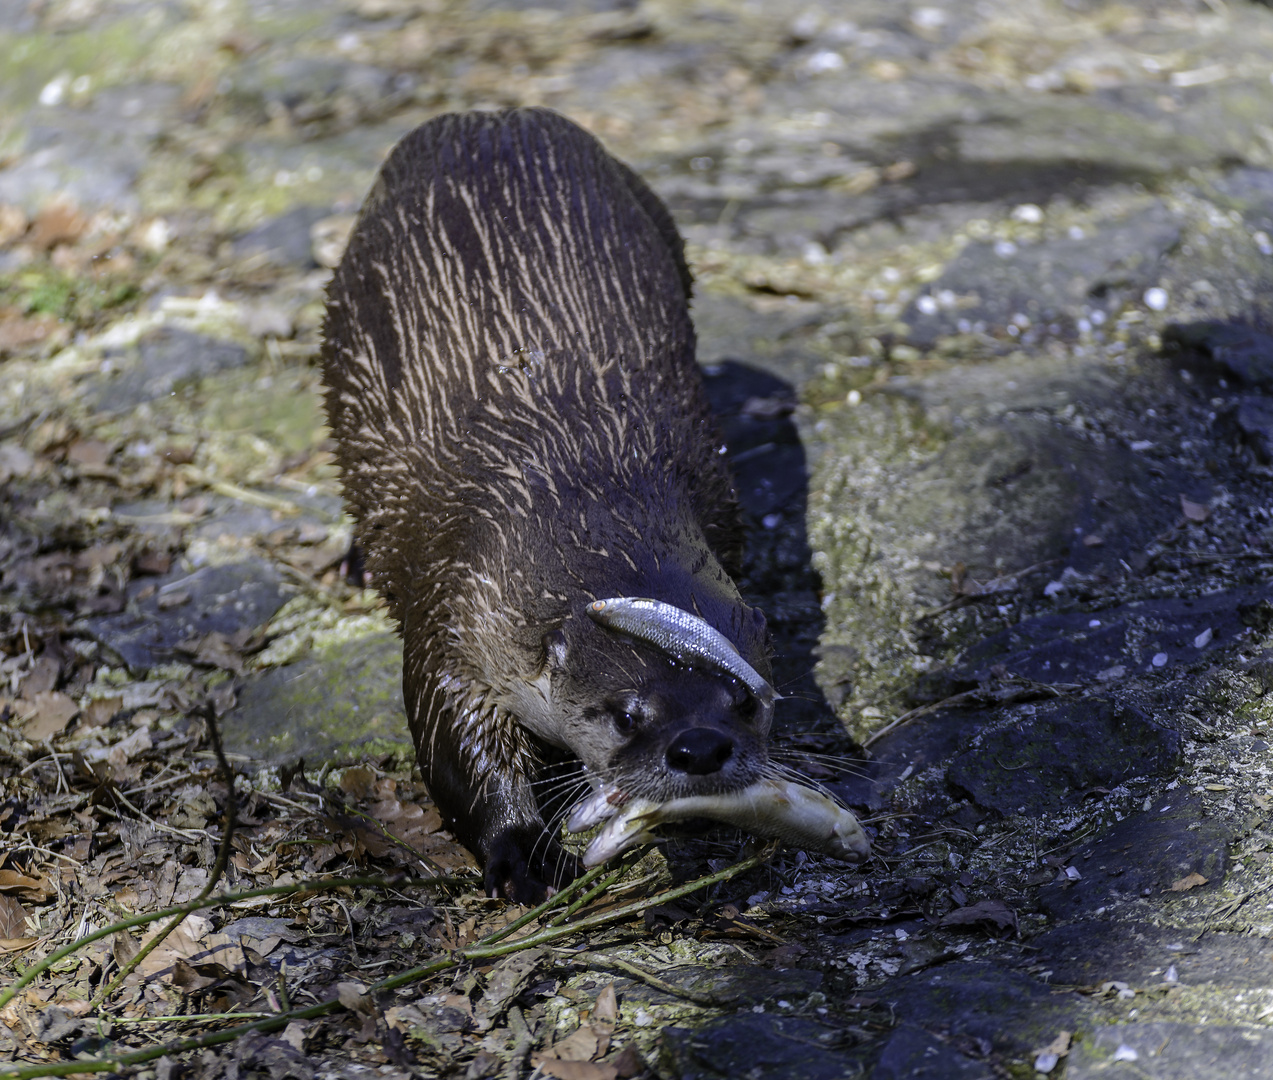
(1091, 952)
(92, 155)
(283, 241)
(1065, 749)
(912, 1053)
(1220, 349)
(759, 1047)
(333, 703)
(982, 1006)
(1080, 646)
(1143, 856)
(1254, 417)
(1167, 1051)
(227, 599)
(161, 363)
(1048, 281)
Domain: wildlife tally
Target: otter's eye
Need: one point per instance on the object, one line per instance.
(625, 722)
(746, 708)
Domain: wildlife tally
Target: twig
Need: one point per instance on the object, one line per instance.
(600, 960)
(523, 1040)
(906, 717)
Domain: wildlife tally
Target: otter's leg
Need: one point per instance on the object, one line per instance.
(478, 766)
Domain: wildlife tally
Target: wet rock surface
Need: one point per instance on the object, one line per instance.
(984, 314)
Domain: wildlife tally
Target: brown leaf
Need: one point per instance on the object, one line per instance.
(577, 1070)
(357, 781)
(1198, 512)
(992, 912)
(215, 649)
(45, 715)
(607, 1005)
(42, 677)
(59, 222)
(35, 889)
(1060, 1046)
(354, 997)
(101, 711)
(13, 920)
(19, 331)
(13, 223)
(586, 1042)
(627, 1063)
(92, 452)
(1189, 881)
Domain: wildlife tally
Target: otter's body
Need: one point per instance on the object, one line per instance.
(522, 430)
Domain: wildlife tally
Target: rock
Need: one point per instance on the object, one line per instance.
(1138, 859)
(912, 1053)
(1172, 1051)
(1142, 954)
(1044, 762)
(284, 240)
(341, 701)
(1220, 349)
(92, 156)
(758, 1046)
(162, 361)
(1056, 281)
(227, 599)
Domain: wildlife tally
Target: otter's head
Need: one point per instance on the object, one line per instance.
(657, 721)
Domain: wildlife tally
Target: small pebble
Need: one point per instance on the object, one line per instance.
(1159, 660)
(1203, 639)
(1156, 299)
(1046, 1062)
(1125, 1053)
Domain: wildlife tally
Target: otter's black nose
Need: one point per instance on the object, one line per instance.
(700, 751)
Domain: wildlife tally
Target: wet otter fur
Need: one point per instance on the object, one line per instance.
(522, 429)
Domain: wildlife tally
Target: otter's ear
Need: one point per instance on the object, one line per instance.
(555, 648)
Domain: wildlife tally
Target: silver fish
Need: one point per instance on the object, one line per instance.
(782, 809)
(683, 636)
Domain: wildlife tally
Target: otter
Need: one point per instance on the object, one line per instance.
(522, 431)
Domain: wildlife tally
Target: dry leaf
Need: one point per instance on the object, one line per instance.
(576, 1070)
(35, 889)
(354, 997)
(586, 1042)
(607, 1005)
(1190, 881)
(92, 452)
(13, 920)
(45, 715)
(994, 912)
(101, 711)
(59, 222)
(358, 781)
(42, 677)
(628, 1063)
(1198, 512)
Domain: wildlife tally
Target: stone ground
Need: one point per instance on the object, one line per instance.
(984, 309)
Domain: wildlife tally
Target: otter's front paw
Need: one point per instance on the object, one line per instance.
(528, 880)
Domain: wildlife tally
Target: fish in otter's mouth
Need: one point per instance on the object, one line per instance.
(768, 806)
